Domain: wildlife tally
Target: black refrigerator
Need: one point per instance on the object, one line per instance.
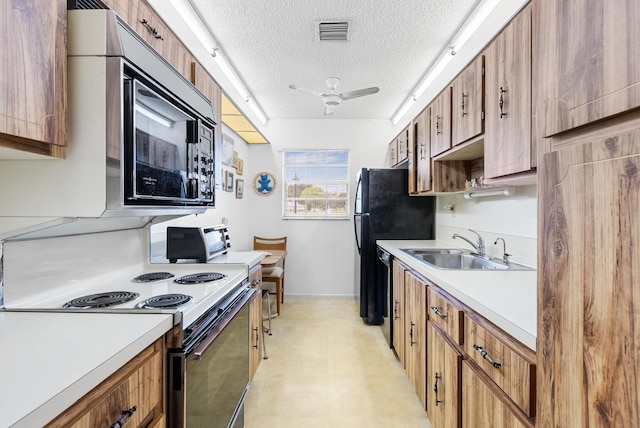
(384, 210)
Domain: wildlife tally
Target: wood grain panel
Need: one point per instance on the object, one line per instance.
(483, 407)
(589, 323)
(441, 122)
(507, 143)
(443, 379)
(587, 61)
(33, 76)
(423, 149)
(450, 317)
(516, 373)
(138, 383)
(416, 334)
(398, 310)
(467, 102)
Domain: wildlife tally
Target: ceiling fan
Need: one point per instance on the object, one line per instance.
(332, 99)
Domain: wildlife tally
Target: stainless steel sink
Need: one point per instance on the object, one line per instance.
(444, 258)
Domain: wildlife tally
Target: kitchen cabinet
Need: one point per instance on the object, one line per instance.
(399, 148)
(443, 379)
(33, 77)
(467, 102)
(587, 61)
(446, 314)
(415, 333)
(588, 319)
(393, 152)
(423, 151)
(145, 21)
(210, 88)
(482, 406)
(504, 361)
(255, 322)
(398, 309)
(139, 384)
(507, 138)
(440, 133)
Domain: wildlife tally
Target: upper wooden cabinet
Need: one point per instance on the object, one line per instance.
(507, 142)
(440, 134)
(210, 88)
(33, 76)
(467, 103)
(146, 22)
(423, 151)
(589, 61)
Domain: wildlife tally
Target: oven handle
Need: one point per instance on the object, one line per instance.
(204, 346)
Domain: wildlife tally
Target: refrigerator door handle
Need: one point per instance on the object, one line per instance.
(355, 229)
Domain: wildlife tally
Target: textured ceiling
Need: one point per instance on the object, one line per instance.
(272, 44)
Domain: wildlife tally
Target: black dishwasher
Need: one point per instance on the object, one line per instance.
(384, 279)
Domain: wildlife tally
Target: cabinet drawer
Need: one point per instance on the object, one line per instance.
(138, 383)
(444, 313)
(507, 362)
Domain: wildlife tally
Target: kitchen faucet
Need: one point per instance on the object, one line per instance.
(505, 255)
(479, 247)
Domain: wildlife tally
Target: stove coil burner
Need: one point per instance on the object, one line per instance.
(101, 300)
(198, 278)
(164, 301)
(153, 276)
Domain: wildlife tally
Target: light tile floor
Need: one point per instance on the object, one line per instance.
(326, 368)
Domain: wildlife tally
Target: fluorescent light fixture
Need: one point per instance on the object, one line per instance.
(192, 19)
(154, 116)
(481, 193)
(471, 25)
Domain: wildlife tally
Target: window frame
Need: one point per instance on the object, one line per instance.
(346, 181)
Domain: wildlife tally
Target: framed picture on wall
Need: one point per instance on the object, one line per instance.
(227, 150)
(234, 162)
(240, 167)
(228, 181)
(239, 188)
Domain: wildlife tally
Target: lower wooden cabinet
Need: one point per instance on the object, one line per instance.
(138, 383)
(397, 310)
(255, 322)
(416, 334)
(482, 407)
(443, 380)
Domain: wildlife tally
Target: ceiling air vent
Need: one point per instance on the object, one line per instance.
(336, 30)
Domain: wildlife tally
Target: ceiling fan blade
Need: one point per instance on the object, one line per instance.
(328, 110)
(309, 91)
(359, 93)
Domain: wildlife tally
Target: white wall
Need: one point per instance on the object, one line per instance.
(321, 253)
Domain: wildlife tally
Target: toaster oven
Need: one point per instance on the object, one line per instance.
(197, 243)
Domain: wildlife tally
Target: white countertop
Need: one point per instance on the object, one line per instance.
(506, 298)
(249, 258)
(51, 359)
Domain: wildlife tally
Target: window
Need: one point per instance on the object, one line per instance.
(316, 184)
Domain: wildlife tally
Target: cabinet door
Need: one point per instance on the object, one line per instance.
(441, 123)
(443, 380)
(403, 141)
(398, 311)
(210, 88)
(393, 152)
(467, 103)
(33, 76)
(255, 334)
(416, 334)
(481, 407)
(423, 152)
(588, 323)
(507, 142)
(587, 61)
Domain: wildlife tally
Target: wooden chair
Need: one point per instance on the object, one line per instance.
(275, 274)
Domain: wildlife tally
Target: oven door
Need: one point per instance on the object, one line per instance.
(207, 385)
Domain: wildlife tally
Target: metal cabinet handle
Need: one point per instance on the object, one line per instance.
(151, 29)
(254, 283)
(126, 414)
(395, 309)
(435, 388)
(437, 312)
(438, 132)
(486, 356)
(422, 151)
(411, 342)
(501, 102)
(257, 345)
(462, 105)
